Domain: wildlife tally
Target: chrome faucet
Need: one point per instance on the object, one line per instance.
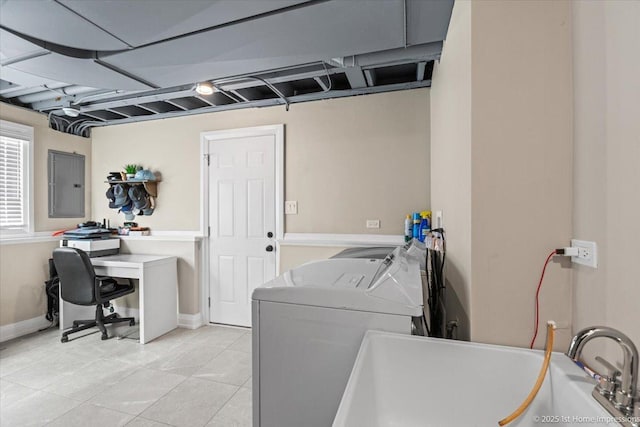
(618, 390)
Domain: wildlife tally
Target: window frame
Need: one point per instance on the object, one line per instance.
(23, 132)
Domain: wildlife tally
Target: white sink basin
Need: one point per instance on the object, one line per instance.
(406, 381)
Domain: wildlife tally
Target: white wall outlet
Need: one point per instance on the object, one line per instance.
(373, 223)
(587, 253)
(291, 207)
(437, 221)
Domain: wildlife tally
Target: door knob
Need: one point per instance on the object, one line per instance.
(269, 234)
(269, 248)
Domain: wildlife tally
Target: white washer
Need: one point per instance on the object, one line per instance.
(308, 324)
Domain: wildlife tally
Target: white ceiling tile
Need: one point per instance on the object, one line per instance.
(145, 21)
(24, 79)
(314, 33)
(84, 72)
(12, 46)
(52, 22)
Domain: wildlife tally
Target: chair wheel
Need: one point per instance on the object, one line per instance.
(104, 337)
(132, 323)
(64, 339)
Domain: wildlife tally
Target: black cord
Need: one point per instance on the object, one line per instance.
(426, 324)
(436, 288)
(444, 254)
(434, 294)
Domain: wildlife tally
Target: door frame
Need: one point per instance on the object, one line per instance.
(205, 137)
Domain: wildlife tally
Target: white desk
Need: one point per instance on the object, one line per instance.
(157, 292)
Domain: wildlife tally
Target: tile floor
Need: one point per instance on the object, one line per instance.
(186, 378)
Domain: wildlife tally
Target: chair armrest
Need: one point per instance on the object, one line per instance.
(105, 284)
(103, 281)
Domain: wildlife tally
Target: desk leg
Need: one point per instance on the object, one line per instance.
(158, 300)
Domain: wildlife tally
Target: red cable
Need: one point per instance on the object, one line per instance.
(535, 329)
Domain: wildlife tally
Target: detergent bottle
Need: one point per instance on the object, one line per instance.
(425, 225)
(416, 226)
(408, 228)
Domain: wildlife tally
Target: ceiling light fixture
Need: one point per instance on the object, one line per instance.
(204, 88)
(70, 111)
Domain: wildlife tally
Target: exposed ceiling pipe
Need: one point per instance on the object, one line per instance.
(94, 96)
(273, 88)
(44, 95)
(59, 91)
(30, 90)
(54, 122)
(85, 125)
(330, 83)
(74, 125)
(26, 57)
(99, 94)
(140, 98)
(76, 89)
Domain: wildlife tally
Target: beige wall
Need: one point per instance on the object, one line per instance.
(188, 253)
(521, 166)
(606, 37)
(23, 270)
(24, 266)
(346, 160)
(520, 163)
(46, 139)
(451, 159)
(340, 144)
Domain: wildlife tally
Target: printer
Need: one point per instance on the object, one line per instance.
(94, 240)
(94, 248)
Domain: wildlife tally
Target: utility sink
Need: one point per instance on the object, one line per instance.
(407, 381)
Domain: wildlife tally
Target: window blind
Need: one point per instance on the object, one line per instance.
(13, 204)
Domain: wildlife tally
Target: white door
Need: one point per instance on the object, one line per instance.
(242, 217)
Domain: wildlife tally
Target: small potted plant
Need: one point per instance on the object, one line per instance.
(130, 170)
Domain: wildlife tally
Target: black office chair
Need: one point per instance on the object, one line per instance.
(80, 285)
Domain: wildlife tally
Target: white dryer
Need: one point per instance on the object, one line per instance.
(308, 324)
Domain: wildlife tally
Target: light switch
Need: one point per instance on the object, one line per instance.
(373, 223)
(291, 207)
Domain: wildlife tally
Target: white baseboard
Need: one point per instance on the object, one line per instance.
(348, 240)
(189, 321)
(29, 326)
(24, 327)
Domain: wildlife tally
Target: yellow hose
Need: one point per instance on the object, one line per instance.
(551, 326)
